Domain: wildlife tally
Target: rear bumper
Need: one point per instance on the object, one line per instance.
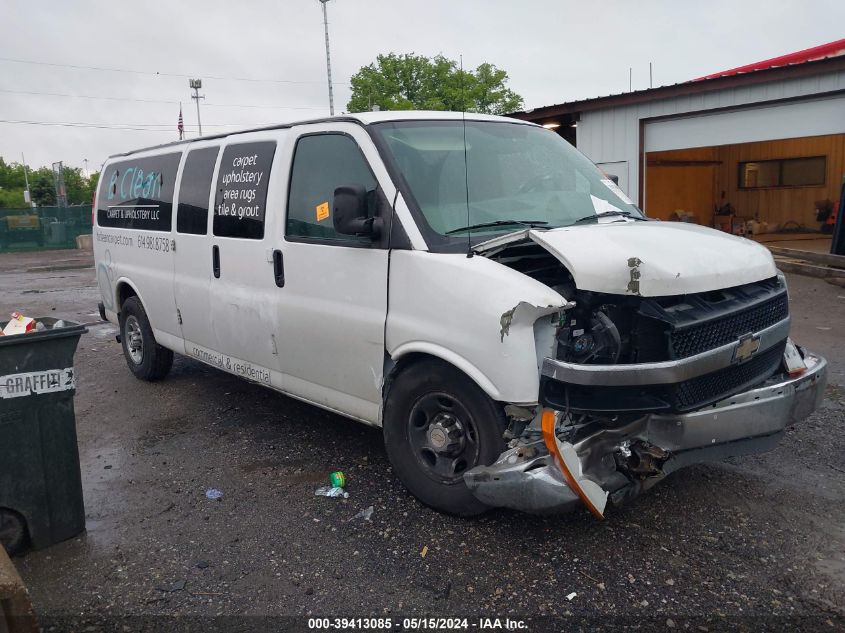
(748, 422)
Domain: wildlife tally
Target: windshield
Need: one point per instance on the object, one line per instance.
(513, 173)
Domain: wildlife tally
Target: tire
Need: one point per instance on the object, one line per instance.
(13, 533)
(146, 359)
(437, 425)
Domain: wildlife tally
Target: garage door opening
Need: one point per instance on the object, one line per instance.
(760, 188)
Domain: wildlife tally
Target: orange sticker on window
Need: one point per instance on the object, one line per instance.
(322, 211)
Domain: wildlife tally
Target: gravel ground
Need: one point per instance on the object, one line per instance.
(753, 542)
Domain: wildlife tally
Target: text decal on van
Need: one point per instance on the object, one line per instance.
(138, 193)
(241, 198)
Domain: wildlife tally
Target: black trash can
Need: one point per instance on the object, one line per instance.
(40, 482)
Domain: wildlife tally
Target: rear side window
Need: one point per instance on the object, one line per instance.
(194, 190)
(321, 163)
(241, 199)
(137, 193)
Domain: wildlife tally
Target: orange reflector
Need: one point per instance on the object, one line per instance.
(550, 439)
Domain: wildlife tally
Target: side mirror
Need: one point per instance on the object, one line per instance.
(350, 213)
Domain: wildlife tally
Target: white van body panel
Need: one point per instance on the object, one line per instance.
(332, 309)
(141, 259)
(335, 355)
(648, 259)
(191, 269)
(245, 301)
(656, 259)
(472, 312)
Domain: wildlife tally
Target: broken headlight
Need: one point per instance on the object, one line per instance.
(593, 339)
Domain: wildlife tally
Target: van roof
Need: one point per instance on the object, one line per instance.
(361, 118)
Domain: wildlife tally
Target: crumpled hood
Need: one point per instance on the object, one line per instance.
(651, 259)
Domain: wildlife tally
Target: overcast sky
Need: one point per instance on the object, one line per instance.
(554, 51)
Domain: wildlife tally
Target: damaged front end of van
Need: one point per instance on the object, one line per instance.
(660, 358)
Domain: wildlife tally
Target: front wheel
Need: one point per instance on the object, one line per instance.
(147, 359)
(438, 424)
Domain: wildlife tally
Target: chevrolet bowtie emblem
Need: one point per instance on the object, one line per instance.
(747, 347)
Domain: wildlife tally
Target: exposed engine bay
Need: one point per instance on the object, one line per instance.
(604, 329)
(640, 386)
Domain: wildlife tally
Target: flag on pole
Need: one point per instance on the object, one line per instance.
(181, 125)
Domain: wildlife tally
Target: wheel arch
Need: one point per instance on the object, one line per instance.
(413, 353)
(124, 289)
(485, 414)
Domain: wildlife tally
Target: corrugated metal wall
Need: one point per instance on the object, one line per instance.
(612, 135)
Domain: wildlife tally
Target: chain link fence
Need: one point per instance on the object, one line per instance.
(43, 228)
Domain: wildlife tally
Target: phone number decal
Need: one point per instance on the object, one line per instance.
(153, 243)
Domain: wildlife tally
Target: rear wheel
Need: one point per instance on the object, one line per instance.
(438, 424)
(12, 531)
(147, 359)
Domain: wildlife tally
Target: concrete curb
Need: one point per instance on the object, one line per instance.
(810, 270)
(825, 259)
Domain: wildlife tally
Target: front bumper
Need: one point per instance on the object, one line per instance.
(749, 422)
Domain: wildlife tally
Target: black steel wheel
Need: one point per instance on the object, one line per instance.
(13, 533)
(438, 424)
(443, 436)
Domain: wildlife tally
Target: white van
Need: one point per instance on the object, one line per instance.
(473, 285)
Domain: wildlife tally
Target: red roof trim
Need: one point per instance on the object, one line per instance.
(831, 49)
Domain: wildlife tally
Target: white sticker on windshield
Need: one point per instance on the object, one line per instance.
(615, 189)
(603, 206)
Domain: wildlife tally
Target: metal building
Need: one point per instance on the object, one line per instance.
(765, 142)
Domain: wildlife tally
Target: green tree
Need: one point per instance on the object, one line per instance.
(42, 188)
(11, 175)
(415, 82)
(93, 181)
(12, 199)
(76, 186)
(490, 94)
(79, 189)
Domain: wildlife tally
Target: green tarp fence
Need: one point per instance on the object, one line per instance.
(43, 228)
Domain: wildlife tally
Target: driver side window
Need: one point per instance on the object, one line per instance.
(321, 163)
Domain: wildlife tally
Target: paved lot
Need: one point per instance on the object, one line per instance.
(741, 543)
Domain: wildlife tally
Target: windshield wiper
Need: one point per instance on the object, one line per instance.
(605, 214)
(487, 225)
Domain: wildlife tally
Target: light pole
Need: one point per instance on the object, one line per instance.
(195, 85)
(85, 162)
(328, 57)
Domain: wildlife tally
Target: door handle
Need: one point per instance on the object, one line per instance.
(279, 268)
(215, 260)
